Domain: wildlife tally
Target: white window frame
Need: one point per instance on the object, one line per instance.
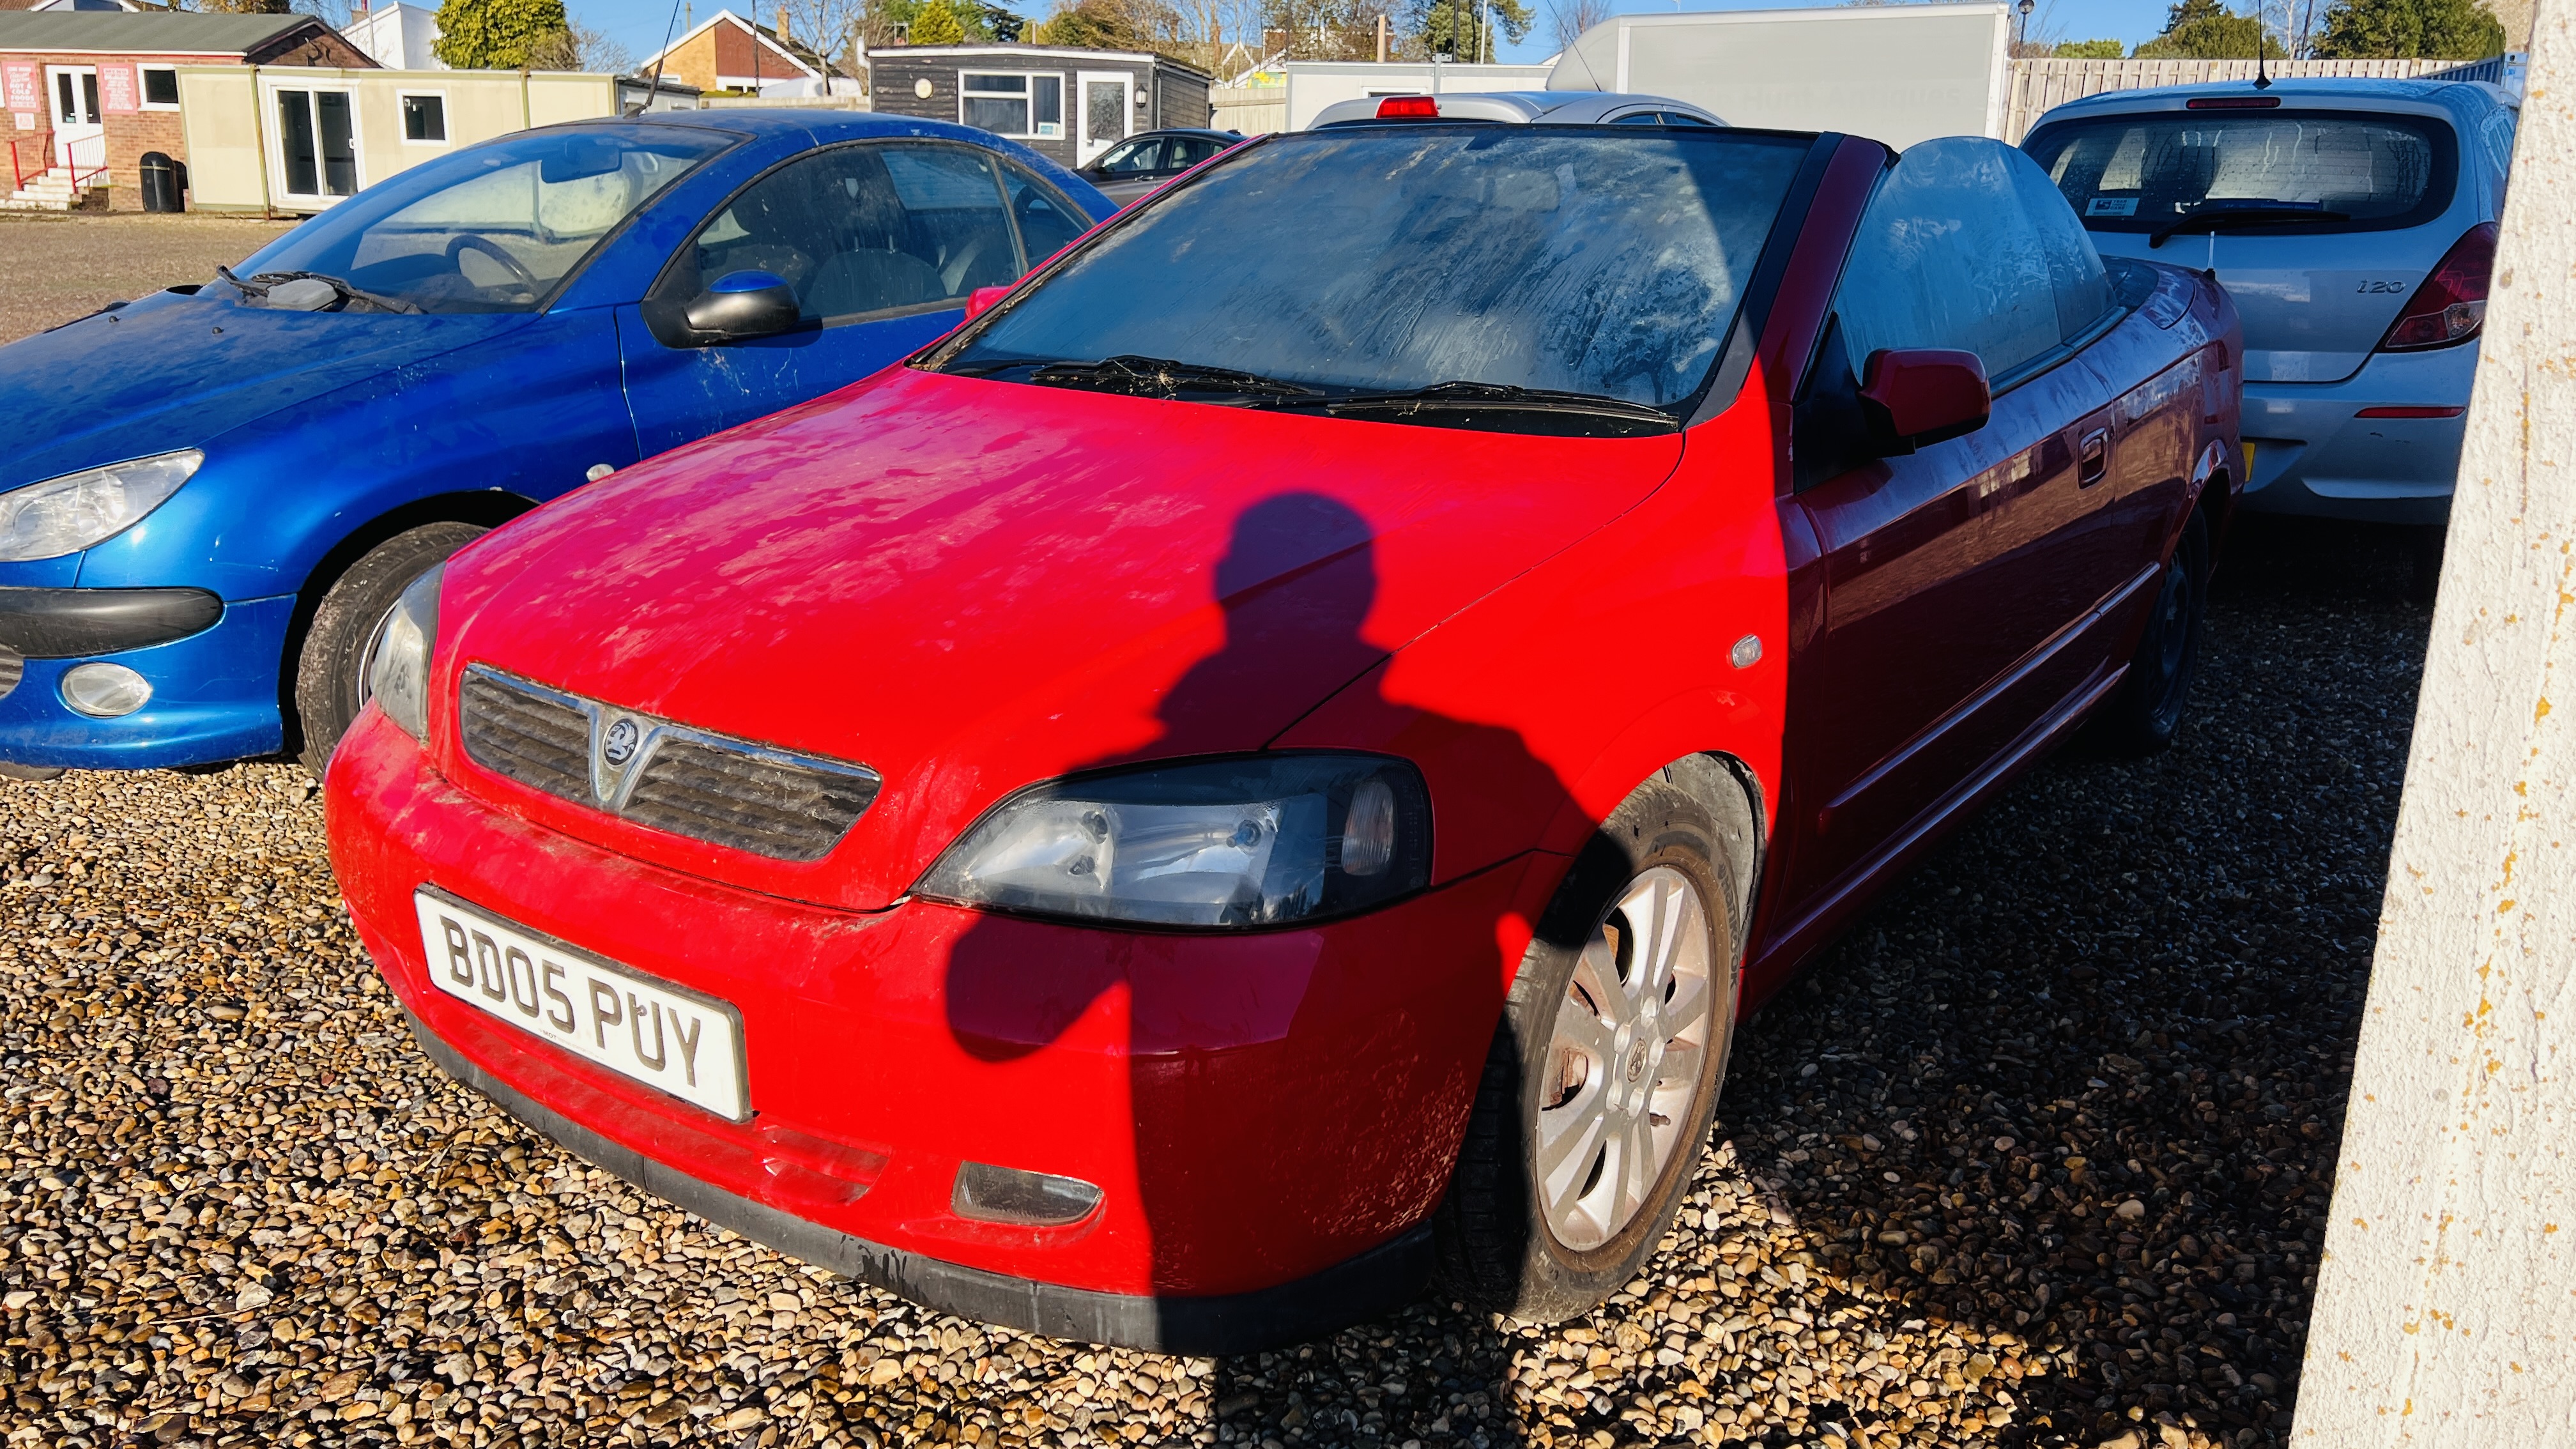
(275, 145)
(1027, 97)
(142, 92)
(443, 142)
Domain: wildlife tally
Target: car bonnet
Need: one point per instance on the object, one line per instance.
(176, 371)
(973, 585)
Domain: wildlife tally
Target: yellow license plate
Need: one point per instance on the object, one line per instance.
(2249, 462)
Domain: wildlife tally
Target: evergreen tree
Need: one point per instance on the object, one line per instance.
(1436, 22)
(2206, 30)
(497, 34)
(1090, 26)
(2445, 29)
(935, 22)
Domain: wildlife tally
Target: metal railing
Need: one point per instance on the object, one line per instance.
(20, 175)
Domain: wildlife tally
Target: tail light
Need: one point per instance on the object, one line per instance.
(2452, 303)
(1408, 108)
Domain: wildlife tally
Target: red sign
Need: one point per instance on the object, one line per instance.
(116, 90)
(26, 93)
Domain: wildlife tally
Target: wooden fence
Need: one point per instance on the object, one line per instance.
(2034, 85)
(1253, 110)
(2037, 85)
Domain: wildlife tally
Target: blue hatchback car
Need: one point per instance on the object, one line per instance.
(215, 494)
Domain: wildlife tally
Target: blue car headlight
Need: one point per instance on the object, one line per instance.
(1241, 843)
(81, 510)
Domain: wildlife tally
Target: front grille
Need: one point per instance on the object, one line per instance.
(690, 782)
(12, 669)
(538, 741)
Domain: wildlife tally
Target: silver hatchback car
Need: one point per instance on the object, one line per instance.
(2354, 222)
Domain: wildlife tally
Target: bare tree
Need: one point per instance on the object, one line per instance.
(578, 47)
(1568, 19)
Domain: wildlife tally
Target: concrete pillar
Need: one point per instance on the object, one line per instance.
(2446, 1298)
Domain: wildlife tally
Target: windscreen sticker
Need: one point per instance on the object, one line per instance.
(2111, 206)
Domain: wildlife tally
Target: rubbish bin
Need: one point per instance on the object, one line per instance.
(163, 183)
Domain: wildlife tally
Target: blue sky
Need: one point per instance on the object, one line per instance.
(639, 24)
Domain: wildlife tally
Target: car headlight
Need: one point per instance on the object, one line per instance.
(78, 510)
(1259, 840)
(398, 665)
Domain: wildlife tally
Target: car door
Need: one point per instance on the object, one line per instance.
(1953, 580)
(881, 243)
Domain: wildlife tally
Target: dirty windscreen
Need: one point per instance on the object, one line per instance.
(496, 227)
(2144, 172)
(1591, 261)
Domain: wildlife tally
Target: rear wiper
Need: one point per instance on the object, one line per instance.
(263, 283)
(1464, 394)
(1162, 375)
(2240, 216)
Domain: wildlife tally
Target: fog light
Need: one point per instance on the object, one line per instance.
(1027, 1199)
(104, 691)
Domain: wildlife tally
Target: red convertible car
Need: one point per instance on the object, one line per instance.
(1269, 762)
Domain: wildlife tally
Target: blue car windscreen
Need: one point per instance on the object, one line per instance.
(497, 227)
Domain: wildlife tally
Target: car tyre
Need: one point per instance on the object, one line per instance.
(1509, 1236)
(2145, 714)
(330, 671)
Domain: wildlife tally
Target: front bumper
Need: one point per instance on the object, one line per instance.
(214, 680)
(2313, 455)
(1270, 1118)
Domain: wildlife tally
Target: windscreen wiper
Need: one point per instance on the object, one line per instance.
(1461, 394)
(1160, 376)
(262, 284)
(2240, 216)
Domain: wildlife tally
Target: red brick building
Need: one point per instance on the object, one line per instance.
(85, 93)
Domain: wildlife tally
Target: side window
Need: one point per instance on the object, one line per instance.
(861, 229)
(1640, 118)
(1136, 158)
(1969, 245)
(1046, 220)
(2500, 141)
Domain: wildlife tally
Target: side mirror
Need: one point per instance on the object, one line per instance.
(981, 300)
(744, 304)
(1918, 396)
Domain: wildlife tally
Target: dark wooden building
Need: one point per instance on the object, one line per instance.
(1070, 104)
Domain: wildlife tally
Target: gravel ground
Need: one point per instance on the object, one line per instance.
(2037, 1156)
(61, 266)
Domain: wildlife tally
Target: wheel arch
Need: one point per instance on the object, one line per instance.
(488, 508)
(1732, 794)
(1721, 781)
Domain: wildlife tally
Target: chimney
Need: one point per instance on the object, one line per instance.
(784, 37)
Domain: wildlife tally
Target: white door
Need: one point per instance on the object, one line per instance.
(314, 150)
(80, 141)
(1108, 112)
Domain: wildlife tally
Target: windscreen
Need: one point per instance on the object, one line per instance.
(494, 228)
(2145, 172)
(1597, 261)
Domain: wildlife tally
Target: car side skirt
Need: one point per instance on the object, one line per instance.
(1382, 1279)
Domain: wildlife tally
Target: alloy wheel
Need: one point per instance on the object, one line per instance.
(1625, 1059)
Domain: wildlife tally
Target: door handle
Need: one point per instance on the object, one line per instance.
(2093, 457)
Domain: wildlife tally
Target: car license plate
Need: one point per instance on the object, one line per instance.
(685, 1044)
(2249, 464)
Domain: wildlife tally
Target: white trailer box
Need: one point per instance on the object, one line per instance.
(1315, 84)
(1894, 73)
